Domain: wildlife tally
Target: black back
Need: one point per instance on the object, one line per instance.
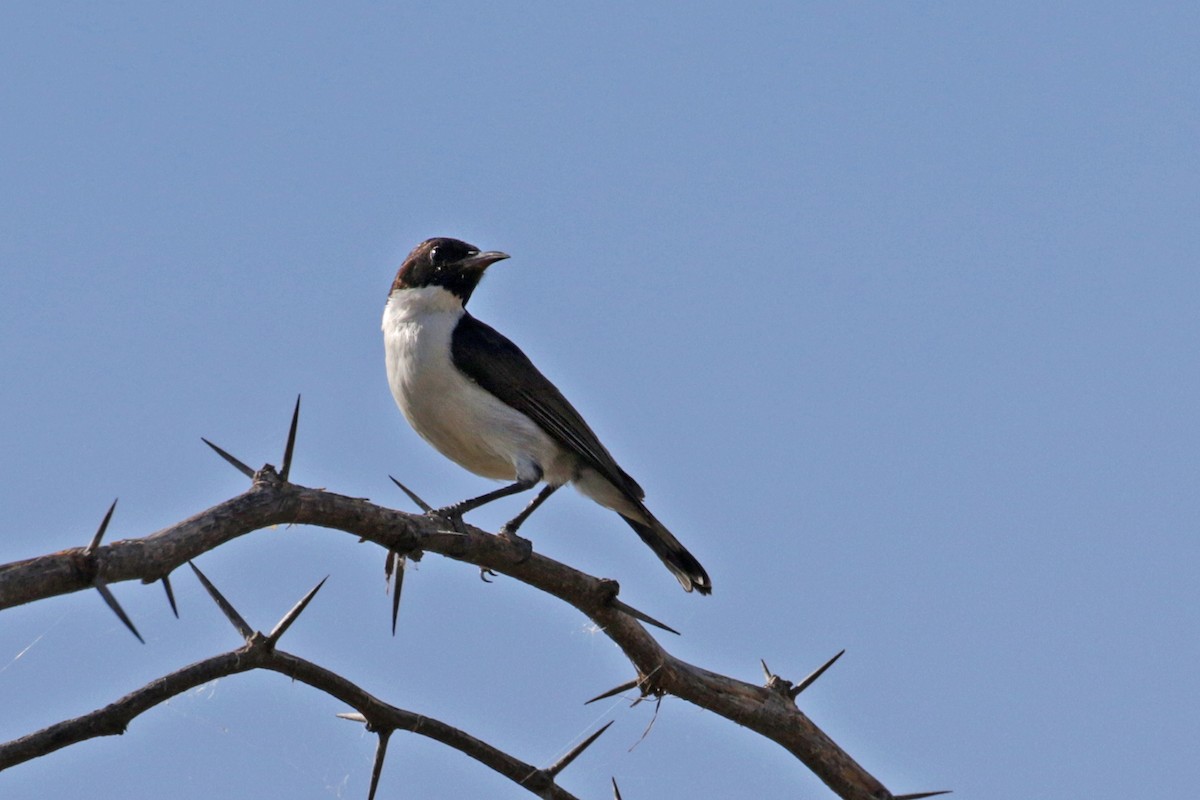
(496, 364)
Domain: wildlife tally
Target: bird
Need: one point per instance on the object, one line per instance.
(478, 399)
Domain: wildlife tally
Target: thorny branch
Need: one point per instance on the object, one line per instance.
(259, 652)
(769, 710)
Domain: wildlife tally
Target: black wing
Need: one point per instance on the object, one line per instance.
(487, 357)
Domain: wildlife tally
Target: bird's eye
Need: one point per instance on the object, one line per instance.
(433, 253)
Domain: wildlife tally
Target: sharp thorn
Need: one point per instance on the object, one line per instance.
(290, 617)
(166, 582)
(228, 610)
(421, 504)
(398, 561)
(616, 791)
(102, 588)
(919, 795)
(353, 716)
(633, 612)
(818, 672)
(291, 443)
(624, 687)
(238, 465)
(377, 768)
(566, 760)
(766, 671)
(95, 543)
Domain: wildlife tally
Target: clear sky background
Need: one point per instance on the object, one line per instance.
(891, 307)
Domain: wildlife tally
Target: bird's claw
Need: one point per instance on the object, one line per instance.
(450, 516)
(484, 572)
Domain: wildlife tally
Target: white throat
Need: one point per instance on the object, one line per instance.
(405, 305)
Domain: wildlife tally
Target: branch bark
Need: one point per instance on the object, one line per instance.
(113, 719)
(770, 712)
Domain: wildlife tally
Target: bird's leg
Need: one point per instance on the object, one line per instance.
(509, 531)
(454, 513)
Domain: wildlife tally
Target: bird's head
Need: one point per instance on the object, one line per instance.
(451, 264)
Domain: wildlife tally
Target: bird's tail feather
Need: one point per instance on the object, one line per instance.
(683, 565)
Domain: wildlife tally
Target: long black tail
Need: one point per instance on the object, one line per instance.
(683, 565)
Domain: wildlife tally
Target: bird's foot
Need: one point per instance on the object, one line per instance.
(522, 543)
(450, 515)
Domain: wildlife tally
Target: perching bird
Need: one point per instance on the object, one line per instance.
(481, 402)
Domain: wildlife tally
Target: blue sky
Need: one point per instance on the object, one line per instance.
(891, 308)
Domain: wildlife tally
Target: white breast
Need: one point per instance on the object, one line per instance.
(463, 421)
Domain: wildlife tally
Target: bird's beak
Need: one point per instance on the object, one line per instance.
(481, 261)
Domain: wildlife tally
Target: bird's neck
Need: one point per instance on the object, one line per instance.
(409, 304)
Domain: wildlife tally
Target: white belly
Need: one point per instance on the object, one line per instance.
(463, 421)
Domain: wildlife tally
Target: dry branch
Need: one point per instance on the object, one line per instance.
(113, 719)
(271, 501)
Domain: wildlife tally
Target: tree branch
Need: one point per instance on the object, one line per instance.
(114, 718)
(271, 501)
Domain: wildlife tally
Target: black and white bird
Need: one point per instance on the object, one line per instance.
(474, 396)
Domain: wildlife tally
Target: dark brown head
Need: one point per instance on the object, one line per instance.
(452, 264)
